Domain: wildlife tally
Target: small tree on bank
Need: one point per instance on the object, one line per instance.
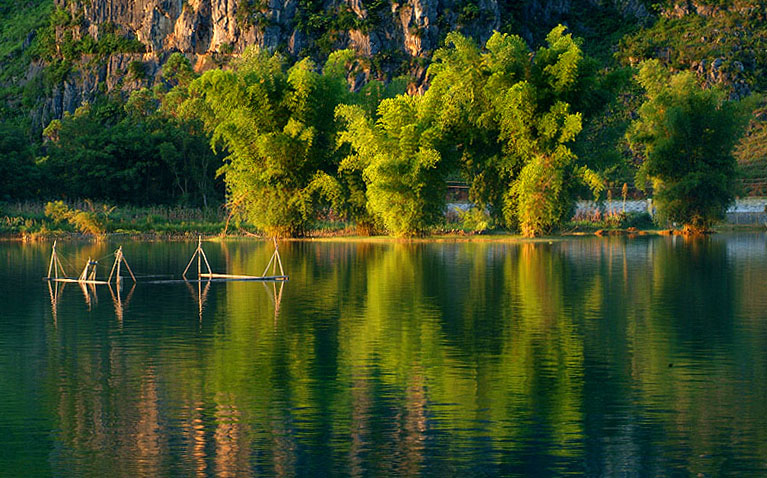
(687, 135)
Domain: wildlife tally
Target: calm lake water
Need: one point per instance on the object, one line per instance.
(596, 357)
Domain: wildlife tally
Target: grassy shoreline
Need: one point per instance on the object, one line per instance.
(27, 221)
(496, 236)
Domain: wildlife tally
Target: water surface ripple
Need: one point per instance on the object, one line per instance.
(585, 357)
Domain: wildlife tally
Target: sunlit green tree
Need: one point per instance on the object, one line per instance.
(277, 127)
(399, 161)
(687, 135)
(509, 111)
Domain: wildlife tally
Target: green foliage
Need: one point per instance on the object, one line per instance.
(177, 70)
(611, 220)
(251, 12)
(29, 217)
(504, 117)
(602, 145)
(477, 220)
(737, 36)
(374, 91)
(469, 12)
(137, 70)
(129, 154)
(19, 178)
(277, 127)
(61, 43)
(87, 222)
(751, 153)
(509, 113)
(399, 163)
(18, 23)
(687, 135)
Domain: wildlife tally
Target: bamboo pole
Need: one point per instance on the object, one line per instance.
(189, 265)
(122, 258)
(84, 273)
(55, 264)
(268, 264)
(78, 281)
(279, 260)
(239, 277)
(114, 264)
(274, 265)
(117, 279)
(205, 257)
(277, 253)
(53, 258)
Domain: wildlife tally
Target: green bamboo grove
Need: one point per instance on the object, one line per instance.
(292, 143)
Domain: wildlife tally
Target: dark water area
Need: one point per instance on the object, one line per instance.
(594, 356)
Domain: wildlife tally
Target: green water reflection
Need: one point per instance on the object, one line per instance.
(598, 357)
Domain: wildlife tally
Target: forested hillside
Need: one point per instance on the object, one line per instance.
(97, 97)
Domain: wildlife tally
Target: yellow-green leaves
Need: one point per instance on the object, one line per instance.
(687, 135)
(277, 127)
(400, 167)
(560, 60)
(507, 111)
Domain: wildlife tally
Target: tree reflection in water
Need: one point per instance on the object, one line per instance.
(594, 356)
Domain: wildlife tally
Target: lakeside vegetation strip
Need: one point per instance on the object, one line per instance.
(299, 144)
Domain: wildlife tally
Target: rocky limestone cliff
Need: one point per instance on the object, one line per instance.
(395, 36)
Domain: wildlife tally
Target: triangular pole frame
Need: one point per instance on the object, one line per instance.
(120, 259)
(89, 271)
(200, 255)
(272, 262)
(55, 265)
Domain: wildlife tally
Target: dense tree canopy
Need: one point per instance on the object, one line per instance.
(509, 112)
(19, 178)
(399, 162)
(129, 154)
(302, 142)
(687, 135)
(502, 116)
(277, 127)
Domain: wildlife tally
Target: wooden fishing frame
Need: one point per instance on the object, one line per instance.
(55, 265)
(275, 254)
(88, 275)
(120, 258)
(199, 254)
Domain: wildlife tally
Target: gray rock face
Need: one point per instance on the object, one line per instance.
(401, 34)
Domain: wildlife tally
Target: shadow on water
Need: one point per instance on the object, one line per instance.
(597, 357)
